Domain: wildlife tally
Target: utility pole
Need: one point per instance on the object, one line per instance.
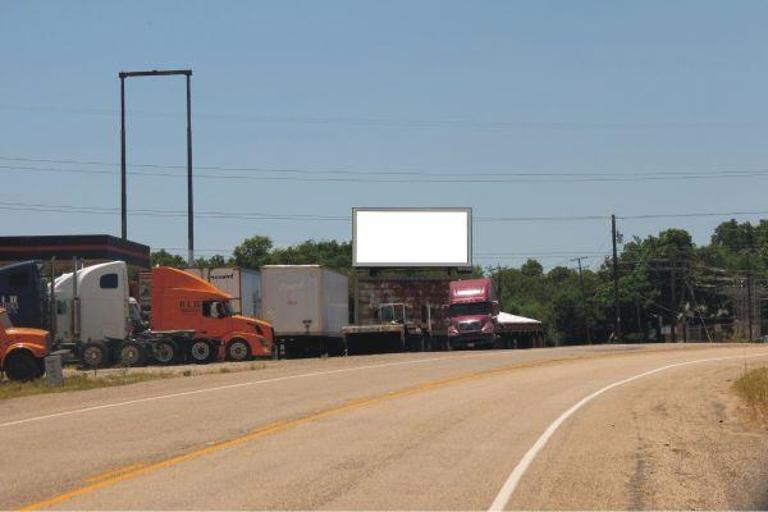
(617, 312)
(749, 298)
(584, 299)
(673, 300)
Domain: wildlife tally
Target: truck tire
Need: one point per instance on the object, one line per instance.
(20, 365)
(94, 354)
(132, 354)
(201, 351)
(165, 352)
(238, 350)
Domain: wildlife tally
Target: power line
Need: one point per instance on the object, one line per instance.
(693, 214)
(374, 176)
(59, 208)
(383, 121)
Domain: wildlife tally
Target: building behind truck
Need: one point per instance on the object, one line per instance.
(307, 305)
(473, 314)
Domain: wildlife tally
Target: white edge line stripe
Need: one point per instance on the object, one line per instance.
(233, 386)
(502, 498)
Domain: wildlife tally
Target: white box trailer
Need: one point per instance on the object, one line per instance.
(243, 284)
(307, 306)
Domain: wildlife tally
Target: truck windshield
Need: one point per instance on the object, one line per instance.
(5, 322)
(392, 313)
(470, 308)
(217, 309)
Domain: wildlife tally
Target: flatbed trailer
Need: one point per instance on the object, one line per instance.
(397, 333)
(371, 339)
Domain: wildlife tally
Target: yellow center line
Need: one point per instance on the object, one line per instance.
(112, 472)
(106, 479)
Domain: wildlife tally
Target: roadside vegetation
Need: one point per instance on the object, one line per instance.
(75, 382)
(752, 387)
(84, 380)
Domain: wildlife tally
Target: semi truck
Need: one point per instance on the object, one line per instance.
(180, 300)
(22, 350)
(307, 305)
(101, 324)
(97, 320)
(473, 314)
(21, 289)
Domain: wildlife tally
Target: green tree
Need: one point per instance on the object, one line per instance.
(252, 253)
(165, 259)
(214, 261)
(329, 253)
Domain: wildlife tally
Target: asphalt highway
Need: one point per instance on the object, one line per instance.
(601, 427)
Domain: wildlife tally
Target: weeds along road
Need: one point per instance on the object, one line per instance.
(460, 430)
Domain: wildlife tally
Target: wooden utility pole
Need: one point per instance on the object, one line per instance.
(749, 300)
(673, 303)
(616, 310)
(585, 305)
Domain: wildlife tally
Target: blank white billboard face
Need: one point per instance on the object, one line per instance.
(412, 237)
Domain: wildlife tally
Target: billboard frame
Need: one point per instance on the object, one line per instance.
(466, 210)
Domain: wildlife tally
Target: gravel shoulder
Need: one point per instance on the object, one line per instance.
(680, 440)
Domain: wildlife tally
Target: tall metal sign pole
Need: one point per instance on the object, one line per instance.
(124, 195)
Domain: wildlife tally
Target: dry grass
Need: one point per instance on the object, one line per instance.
(752, 387)
(83, 380)
(76, 382)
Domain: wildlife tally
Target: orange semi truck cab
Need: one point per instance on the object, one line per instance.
(183, 301)
(22, 350)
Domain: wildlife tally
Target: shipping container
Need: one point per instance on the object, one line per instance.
(307, 306)
(242, 284)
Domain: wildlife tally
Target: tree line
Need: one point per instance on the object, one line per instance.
(663, 280)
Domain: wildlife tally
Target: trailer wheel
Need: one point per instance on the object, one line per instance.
(132, 354)
(201, 351)
(165, 352)
(20, 365)
(238, 350)
(94, 354)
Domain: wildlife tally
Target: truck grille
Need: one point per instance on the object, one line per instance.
(470, 326)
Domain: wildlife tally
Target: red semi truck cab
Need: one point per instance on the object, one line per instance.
(183, 301)
(472, 313)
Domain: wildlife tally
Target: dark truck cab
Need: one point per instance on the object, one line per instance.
(23, 293)
(473, 314)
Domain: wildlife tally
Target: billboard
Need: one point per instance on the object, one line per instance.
(412, 237)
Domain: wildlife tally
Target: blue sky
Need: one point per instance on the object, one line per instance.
(430, 87)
